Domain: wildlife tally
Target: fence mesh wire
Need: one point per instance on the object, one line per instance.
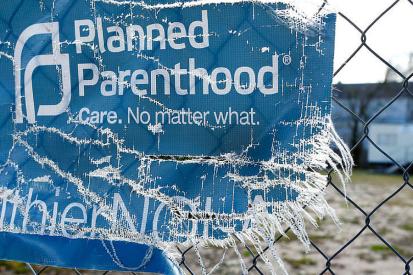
(255, 263)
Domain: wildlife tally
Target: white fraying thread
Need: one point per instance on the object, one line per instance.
(301, 15)
(244, 269)
(198, 254)
(218, 265)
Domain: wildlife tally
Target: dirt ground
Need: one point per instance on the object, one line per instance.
(366, 255)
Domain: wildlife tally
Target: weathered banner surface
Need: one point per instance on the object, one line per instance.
(128, 126)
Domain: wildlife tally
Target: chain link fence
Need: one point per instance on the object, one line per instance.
(327, 257)
(256, 267)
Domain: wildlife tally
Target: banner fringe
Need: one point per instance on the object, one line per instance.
(329, 151)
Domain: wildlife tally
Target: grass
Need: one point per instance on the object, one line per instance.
(384, 231)
(386, 251)
(368, 177)
(352, 220)
(320, 237)
(368, 257)
(407, 227)
(382, 248)
(18, 268)
(299, 263)
(246, 253)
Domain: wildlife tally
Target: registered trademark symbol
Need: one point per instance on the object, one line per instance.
(287, 59)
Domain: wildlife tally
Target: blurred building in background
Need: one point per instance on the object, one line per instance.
(391, 130)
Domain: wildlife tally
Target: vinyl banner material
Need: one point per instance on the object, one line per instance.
(130, 126)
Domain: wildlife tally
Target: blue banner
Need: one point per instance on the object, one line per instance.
(128, 126)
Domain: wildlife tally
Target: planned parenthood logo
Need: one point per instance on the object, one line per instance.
(244, 80)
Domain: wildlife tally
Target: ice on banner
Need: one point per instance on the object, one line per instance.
(130, 126)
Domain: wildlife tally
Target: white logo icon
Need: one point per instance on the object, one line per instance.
(56, 58)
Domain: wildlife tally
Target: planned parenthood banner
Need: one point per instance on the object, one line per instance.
(128, 127)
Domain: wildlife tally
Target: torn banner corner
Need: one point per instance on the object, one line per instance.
(129, 127)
